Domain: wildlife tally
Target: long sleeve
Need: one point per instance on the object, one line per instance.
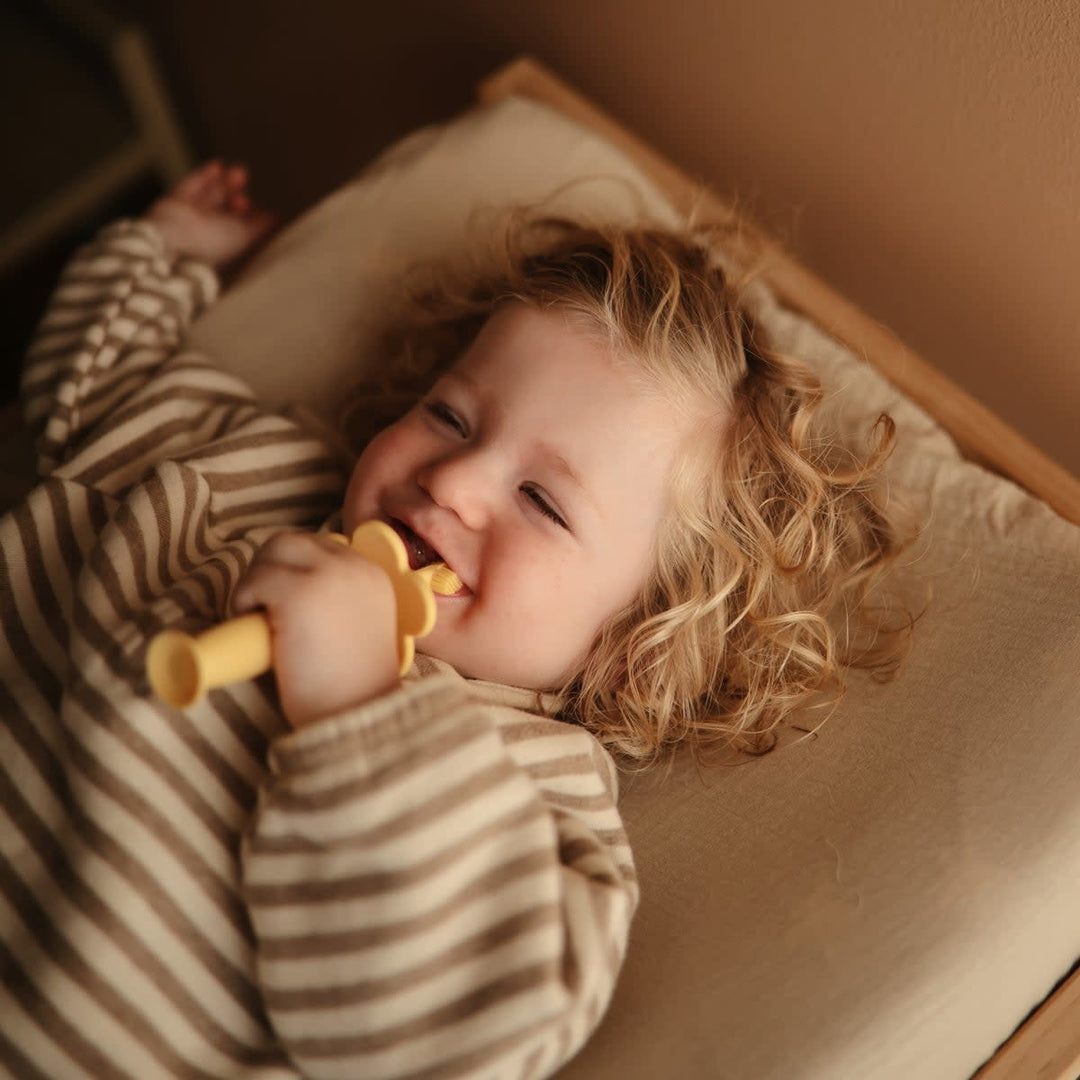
(438, 887)
(125, 948)
(435, 878)
(116, 317)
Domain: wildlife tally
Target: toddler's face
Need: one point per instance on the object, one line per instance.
(538, 470)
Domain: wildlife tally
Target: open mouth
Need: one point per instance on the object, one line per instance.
(421, 553)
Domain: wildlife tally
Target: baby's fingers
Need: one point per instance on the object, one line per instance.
(264, 586)
(234, 184)
(299, 550)
(273, 570)
(285, 563)
(205, 188)
(216, 186)
(191, 187)
(333, 620)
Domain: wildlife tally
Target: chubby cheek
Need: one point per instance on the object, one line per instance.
(527, 578)
(356, 507)
(376, 467)
(554, 615)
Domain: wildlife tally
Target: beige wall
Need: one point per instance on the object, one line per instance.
(922, 155)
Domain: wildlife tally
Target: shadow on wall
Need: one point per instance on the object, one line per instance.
(304, 102)
(314, 98)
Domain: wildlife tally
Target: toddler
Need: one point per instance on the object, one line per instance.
(333, 871)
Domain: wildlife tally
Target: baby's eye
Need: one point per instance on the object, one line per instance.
(445, 415)
(536, 497)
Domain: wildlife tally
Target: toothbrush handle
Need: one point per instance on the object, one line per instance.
(181, 668)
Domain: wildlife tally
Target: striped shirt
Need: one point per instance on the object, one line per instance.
(435, 884)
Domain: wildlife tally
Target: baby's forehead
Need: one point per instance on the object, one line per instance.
(514, 322)
(519, 337)
(661, 369)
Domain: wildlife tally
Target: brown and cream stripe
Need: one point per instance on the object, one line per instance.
(435, 885)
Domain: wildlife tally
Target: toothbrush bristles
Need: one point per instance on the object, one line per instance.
(444, 581)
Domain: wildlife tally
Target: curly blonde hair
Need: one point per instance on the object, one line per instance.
(777, 534)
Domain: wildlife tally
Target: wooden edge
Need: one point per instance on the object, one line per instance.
(981, 435)
(1046, 1045)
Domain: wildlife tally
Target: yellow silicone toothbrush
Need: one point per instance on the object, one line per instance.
(182, 667)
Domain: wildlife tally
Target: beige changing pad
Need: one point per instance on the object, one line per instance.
(887, 899)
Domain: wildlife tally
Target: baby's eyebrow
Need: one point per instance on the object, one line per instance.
(555, 461)
(457, 375)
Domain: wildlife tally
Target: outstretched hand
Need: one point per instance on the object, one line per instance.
(210, 215)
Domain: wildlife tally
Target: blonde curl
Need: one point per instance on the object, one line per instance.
(769, 569)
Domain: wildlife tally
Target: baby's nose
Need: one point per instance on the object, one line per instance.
(462, 483)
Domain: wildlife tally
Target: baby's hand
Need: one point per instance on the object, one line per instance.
(209, 214)
(333, 623)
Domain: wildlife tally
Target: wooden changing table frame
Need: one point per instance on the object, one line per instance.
(1047, 1044)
